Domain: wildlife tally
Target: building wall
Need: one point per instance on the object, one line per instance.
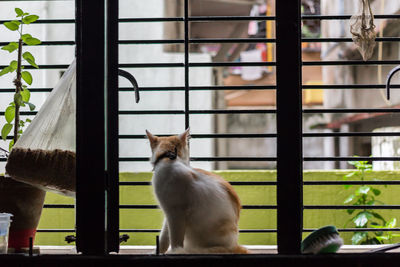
(368, 74)
(168, 100)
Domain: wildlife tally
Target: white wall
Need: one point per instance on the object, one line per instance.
(158, 124)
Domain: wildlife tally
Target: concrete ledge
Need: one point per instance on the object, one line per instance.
(149, 250)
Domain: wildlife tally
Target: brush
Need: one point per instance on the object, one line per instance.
(322, 240)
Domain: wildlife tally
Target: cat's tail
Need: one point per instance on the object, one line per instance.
(241, 250)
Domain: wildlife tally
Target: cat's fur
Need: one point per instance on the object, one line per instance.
(201, 209)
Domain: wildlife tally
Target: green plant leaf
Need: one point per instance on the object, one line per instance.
(10, 145)
(9, 114)
(358, 237)
(18, 99)
(6, 130)
(28, 120)
(350, 211)
(30, 58)
(391, 223)
(347, 186)
(376, 192)
(11, 25)
(26, 95)
(378, 216)
(362, 190)
(349, 199)
(11, 47)
(31, 107)
(32, 41)
(14, 64)
(29, 19)
(19, 12)
(29, 40)
(361, 219)
(27, 77)
(24, 36)
(6, 70)
(349, 175)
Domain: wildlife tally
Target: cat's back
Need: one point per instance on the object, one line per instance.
(219, 186)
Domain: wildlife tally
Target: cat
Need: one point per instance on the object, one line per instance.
(201, 209)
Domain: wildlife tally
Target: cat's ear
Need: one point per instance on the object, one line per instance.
(152, 138)
(185, 135)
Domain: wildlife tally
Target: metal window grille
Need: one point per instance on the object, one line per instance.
(289, 113)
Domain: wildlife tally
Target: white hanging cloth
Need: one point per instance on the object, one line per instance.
(44, 155)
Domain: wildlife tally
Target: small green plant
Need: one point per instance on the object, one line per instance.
(365, 195)
(22, 94)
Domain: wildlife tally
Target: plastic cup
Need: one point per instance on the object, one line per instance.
(5, 220)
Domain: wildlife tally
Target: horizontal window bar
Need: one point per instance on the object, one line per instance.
(177, 112)
(344, 17)
(139, 136)
(256, 207)
(155, 19)
(141, 159)
(271, 135)
(196, 64)
(237, 87)
(231, 64)
(151, 41)
(351, 134)
(43, 67)
(255, 111)
(270, 183)
(263, 87)
(360, 207)
(352, 182)
(238, 111)
(12, 90)
(151, 65)
(150, 112)
(350, 62)
(214, 18)
(59, 206)
(272, 230)
(48, 21)
(46, 43)
(23, 113)
(351, 158)
(342, 39)
(55, 230)
(232, 40)
(353, 110)
(363, 229)
(203, 88)
(229, 18)
(349, 86)
(273, 158)
(215, 40)
(157, 230)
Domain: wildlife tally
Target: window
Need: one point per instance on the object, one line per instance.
(262, 95)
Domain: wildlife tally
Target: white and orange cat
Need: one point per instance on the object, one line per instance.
(201, 209)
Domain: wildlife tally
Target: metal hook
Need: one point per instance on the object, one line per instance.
(133, 81)
(388, 80)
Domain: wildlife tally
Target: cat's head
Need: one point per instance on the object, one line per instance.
(169, 146)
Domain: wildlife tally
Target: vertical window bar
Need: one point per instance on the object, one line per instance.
(186, 22)
(112, 127)
(90, 137)
(289, 126)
